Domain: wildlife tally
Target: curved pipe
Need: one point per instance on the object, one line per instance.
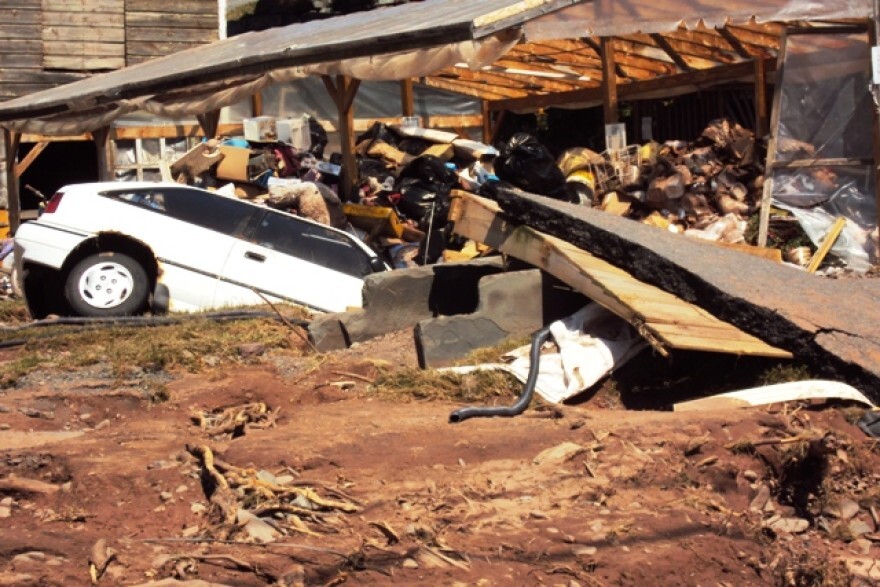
(462, 414)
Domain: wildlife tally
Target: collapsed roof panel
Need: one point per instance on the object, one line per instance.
(832, 324)
(432, 23)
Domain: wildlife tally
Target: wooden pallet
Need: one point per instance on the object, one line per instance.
(665, 320)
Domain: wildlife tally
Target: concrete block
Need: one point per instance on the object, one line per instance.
(327, 334)
(511, 304)
(398, 299)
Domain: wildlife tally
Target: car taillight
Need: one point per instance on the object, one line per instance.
(53, 203)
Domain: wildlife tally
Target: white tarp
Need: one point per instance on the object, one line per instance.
(214, 96)
(606, 18)
(592, 342)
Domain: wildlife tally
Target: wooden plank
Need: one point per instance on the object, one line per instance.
(20, 61)
(13, 5)
(183, 35)
(99, 20)
(176, 7)
(30, 157)
(83, 34)
(18, 46)
(19, 17)
(609, 82)
(83, 48)
(43, 78)
(827, 242)
(117, 6)
(662, 318)
(170, 20)
(20, 31)
(83, 63)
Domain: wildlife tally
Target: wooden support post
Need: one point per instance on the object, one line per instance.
(767, 196)
(343, 92)
(609, 82)
(407, 99)
(499, 121)
(104, 146)
(487, 121)
(11, 142)
(257, 104)
(762, 116)
(874, 35)
(209, 121)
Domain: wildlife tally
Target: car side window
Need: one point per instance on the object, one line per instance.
(312, 243)
(203, 209)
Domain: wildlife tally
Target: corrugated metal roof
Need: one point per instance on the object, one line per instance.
(384, 30)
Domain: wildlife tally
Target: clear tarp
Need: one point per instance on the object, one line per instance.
(824, 133)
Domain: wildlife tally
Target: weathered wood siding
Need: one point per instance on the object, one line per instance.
(44, 43)
(161, 27)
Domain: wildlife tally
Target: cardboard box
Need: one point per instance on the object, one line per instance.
(234, 166)
(294, 132)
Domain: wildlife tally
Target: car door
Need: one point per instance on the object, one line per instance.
(289, 258)
(191, 233)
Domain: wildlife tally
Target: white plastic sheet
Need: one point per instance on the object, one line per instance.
(592, 343)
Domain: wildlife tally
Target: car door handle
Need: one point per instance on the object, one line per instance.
(255, 256)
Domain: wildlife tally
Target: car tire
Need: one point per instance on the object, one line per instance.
(107, 284)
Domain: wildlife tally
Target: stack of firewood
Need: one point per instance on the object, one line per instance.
(709, 187)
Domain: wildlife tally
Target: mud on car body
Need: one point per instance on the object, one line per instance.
(123, 248)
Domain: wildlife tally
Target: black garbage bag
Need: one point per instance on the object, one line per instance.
(414, 145)
(379, 131)
(373, 167)
(318, 137)
(424, 203)
(430, 170)
(529, 165)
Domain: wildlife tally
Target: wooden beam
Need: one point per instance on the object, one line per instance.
(767, 193)
(762, 115)
(104, 147)
(609, 82)
(407, 99)
(597, 48)
(700, 77)
(732, 40)
(487, 121)
(30, 157)
(257, 104)
(209, 121)
(11, 142)
(673, 54)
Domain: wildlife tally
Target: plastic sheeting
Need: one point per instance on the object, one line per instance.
(592, 342)
(825, 114)
(607, 18)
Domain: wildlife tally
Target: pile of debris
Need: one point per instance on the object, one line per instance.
(707, 188)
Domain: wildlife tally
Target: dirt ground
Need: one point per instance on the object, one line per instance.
(322, 482)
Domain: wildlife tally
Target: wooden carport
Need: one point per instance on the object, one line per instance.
(513, 55)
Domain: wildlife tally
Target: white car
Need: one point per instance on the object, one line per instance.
(122, 248)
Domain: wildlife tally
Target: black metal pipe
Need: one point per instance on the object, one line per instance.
(462, 414)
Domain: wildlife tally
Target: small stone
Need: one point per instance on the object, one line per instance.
(789, 525)
(253, 349)
(861, 546)
(845, 509)
(190, 532)
(4, 426)
(750, 476)
(4, 409)
(409, 564)
(761, 499)
(102, 424)
(284, 479)
(585, 551)
(166, 496)
(182, 489)
(85, 417)
(5, 511)
(538, 515)
(7, 501)
(197, 508)
(858, 528)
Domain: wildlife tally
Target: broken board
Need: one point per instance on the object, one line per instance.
(665, 320)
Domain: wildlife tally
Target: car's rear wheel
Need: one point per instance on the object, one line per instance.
(107, 284)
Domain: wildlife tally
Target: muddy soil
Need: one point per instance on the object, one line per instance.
(320, 482)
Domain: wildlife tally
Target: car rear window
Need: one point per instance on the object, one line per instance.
(312, 243)
(200, 208)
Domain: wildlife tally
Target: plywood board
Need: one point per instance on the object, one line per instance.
(665, 320)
